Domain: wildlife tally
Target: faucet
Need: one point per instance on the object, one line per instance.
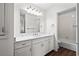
(35, 33)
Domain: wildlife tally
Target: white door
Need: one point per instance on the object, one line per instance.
(25, 51)
(37, 49)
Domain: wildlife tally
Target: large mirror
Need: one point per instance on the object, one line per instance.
(29, 23)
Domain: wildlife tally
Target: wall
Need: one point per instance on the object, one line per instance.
(17, 19)
(6, 45)
(51, 17)
(78, 29)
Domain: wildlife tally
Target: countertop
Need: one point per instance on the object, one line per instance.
(30, 37)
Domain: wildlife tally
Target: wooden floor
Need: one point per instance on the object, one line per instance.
(62, 52)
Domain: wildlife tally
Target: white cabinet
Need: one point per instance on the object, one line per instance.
(23, 48)
(51, 43)
(45, 46)
(40, 48)
(25, 51)
(37, 49)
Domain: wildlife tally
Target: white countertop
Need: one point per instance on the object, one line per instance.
(30, 37)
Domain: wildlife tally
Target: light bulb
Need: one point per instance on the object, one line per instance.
(29, 10)
(33, 11)
(26, 9)
(40, 14)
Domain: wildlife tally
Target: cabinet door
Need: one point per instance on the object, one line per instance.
(51, 44)
(28, 51)
(25, 51)
(1, 18)
(37, 49)
(45, 46)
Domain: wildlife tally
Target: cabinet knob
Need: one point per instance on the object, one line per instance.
(42, 45)
(3, 29)
(30, 49)
(24, 44)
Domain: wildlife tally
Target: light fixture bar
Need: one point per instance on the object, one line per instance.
(33, 10)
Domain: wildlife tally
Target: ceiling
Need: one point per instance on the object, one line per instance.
(44, 6)
(47, 6)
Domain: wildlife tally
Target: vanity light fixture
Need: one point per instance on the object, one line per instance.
(29, 10)
(40, 13)
(33, 10)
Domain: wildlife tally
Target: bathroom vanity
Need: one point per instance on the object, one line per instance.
(34, 45)
(35, 41)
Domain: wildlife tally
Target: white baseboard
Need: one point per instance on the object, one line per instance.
(68, 46)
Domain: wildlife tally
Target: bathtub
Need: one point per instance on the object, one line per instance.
(66, 44)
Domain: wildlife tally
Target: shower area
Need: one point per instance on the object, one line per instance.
(67, 28)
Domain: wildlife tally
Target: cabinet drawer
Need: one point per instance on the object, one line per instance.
(25, 51)
(37, 40)
(22, 44)
(20, 52)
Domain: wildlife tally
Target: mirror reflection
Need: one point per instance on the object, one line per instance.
(29, 23)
